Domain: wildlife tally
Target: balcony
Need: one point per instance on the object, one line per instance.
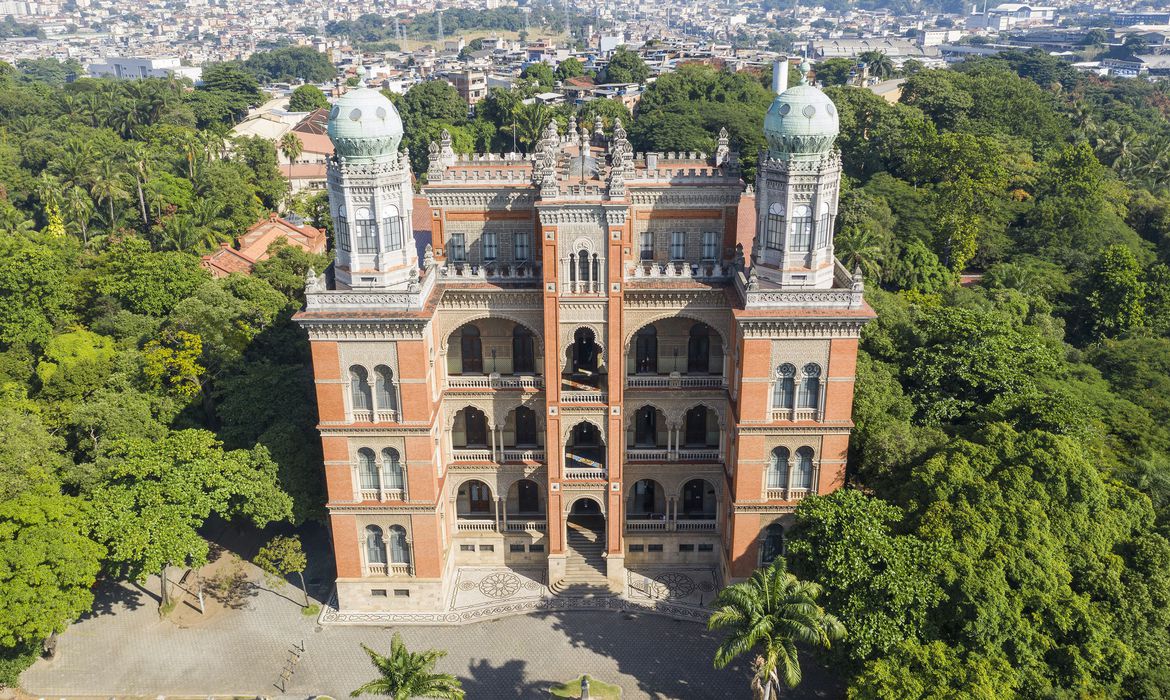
(475, 525)
(495, 381)
(698, 454)
(387, 416)
(796, 414)
(402, 569)
(471, 454)
(363, 416)
(577, 397)
(674, 380)
(383, 495)
(586, 474)
(524, 523)
(648, 454)
(787, 494)
(657, 522)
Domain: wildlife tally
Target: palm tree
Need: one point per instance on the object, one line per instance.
(107, 187)
(406, 674)
(858, 246)
(138, 157)
(880, 65)
(291, 147)
(534, 119)
(80, 207)
(772, 611)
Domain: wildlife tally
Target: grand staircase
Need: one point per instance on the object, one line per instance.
(585, 565)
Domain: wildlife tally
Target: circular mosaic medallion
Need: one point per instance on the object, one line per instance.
(677, 585)
(499, 585)
(532, 586)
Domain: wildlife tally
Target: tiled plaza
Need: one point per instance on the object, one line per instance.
(125, 650)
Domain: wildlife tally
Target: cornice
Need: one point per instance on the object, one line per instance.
(482, 198)
(705, 197)
(802, 328)
(611, 215)
(666, 297)
(343, 329)
(359, 508)
(345, 429)
(771, 429)
(453, 299)
(763, 508)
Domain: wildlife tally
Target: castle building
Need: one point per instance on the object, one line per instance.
(603, 362)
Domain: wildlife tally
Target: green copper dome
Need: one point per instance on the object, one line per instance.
(364, 125)
(801, 121)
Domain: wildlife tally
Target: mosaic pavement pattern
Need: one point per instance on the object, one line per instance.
(485, 593)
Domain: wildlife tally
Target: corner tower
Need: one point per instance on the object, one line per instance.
(797, 186)
(370, 195)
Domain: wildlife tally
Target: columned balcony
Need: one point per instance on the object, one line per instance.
(797, 414)
(650, 509)
(495, 381)
(674, 380)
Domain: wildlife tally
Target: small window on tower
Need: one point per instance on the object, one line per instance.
(523, 243)
(456, 250)
(678, 245)
(710, 245)
(489, 245)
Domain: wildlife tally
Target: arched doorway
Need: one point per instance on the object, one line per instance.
(585, 537)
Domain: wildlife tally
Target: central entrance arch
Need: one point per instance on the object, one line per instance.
(585, 536)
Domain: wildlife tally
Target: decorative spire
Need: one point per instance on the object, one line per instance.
(805, 69)
(572, 123)
(723, 150)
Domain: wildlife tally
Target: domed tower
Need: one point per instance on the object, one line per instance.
(370, 194)
(797, 186)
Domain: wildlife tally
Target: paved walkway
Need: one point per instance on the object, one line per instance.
(125, 650)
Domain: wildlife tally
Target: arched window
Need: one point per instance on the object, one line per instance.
(476, 426)
(701, 428)
(646, 351)
(471, 350)
(527, 496)
(399, 549)
(784, 391)
(810, 386)
(583, 266)
(523, 350)
(366, 230)
(773, 544)
(392, 469)
(698, 500)
(774, 234)
(375, 545)
(802, 475)
(367, 470)
(801, 231)
(341, 228)
(525, 427)
(778, 469)
(479, 498)
(359, 387)
(647, 499)
(384, 383)
(584, 351)
(699, 349)
(391, 228)
(824, 225)
(646, 427)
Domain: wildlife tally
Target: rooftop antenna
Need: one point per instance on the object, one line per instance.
(568, 26)
(440, 11)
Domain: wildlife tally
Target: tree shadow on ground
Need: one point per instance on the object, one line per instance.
(110, 597)
(245, 540)
(482, 680)
(655, 663)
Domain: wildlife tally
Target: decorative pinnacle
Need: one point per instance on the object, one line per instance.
(805, 69)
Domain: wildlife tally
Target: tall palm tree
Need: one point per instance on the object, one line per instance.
(769, 613)
(138, 157)
(291, 147)
(858, 246)
(880, 65)
(534, 118)
(79, 205)
(107, 187)
(406, 674)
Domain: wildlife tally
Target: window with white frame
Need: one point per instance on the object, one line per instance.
(523, 246)
(678, 245)
(490, 249)
(647, 245)
(778, 469)
(367, 470)
(784, 391)
(392, 225)
(341, 228)
(802, 474)
(456, 249)
(395, 479)
(366, 231)
(710, 245)
(774, 232)
(810, 386)
(802, 225)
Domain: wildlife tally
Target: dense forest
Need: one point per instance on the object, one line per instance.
(1006, 533)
